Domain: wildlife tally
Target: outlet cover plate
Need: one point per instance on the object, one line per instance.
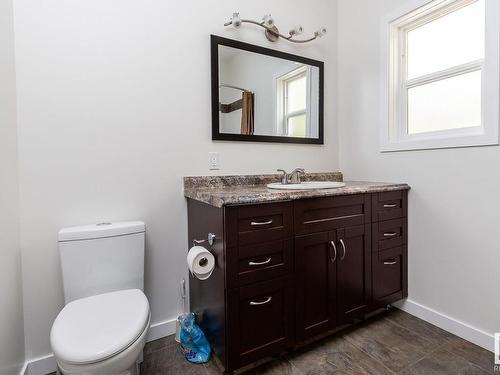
(213, 161)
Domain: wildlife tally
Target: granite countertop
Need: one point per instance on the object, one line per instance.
(222, 191)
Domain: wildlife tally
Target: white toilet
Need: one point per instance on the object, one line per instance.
(102, 329)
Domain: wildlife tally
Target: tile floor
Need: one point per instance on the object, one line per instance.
(391, 343)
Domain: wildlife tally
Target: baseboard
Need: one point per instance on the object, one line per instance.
(41, 366)
(47, 364)
(452, 325)
(24, 369)
(162, 329)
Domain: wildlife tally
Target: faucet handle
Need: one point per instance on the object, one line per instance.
(295, 175)
(284, 176)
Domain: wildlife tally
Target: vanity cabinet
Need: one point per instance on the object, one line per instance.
(288, 271)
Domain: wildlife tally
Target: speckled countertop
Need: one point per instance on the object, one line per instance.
(222, 191)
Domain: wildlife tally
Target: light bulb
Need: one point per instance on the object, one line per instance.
(297, 30)
(321, 32)
(236, 20)
(268, 20)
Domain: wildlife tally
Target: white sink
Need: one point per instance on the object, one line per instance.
(307, 185)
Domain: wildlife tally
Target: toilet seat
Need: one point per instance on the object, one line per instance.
(93, 329)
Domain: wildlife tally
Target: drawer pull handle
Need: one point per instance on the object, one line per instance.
(390, 234)
(390, 262)
(258, 223)
(343, 247)
(267, 300)
(259, 263)
(334, 252)
(392, 205)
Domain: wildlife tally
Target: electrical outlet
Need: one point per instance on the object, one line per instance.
(213, 161)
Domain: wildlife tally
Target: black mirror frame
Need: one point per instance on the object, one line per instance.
(215, 42)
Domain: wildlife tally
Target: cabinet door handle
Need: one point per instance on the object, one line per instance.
(258, 223)
(335, 252)
(390, 262)
(267, 300)
(259, 263)
(390, 234)
(392, 205)
(343, 247)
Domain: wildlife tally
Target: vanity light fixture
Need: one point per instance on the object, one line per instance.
(271, 31)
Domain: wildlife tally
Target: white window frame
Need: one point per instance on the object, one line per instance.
(281, 85)
(393, 132)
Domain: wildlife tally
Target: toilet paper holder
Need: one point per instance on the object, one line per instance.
(210, 239)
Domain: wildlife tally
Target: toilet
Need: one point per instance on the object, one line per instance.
(102, 328)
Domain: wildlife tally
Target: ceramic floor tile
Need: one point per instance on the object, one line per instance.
(275, 367)
(159, 344)
(335, 355)
(212, 368)
(472, 353)
(345, 358)
(421, 327)
(437, 362)
(170, 361)
(311, 359)
(392, 345)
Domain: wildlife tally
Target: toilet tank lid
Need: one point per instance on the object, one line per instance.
(101, 230)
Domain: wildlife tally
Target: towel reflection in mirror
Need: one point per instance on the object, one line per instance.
(247, 106)
(247, 113)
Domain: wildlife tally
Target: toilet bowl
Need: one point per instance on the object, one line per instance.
(101, 335)
(102, 328)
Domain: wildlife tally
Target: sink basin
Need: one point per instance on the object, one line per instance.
(307, 185)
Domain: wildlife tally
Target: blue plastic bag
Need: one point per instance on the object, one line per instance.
(194, 344)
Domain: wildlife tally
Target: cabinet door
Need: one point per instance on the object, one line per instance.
(315, 265)
(389, 276)
(354, 272)
(261, 320)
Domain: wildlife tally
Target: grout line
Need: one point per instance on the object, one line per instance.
(445, 339)
(409, 329)
(465, 359)
(368, 354)
(420, 359)
(437, 345)
(390, 321)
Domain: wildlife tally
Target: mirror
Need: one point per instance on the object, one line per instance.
(263, 95)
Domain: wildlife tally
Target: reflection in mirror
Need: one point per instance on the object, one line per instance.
(262, 95)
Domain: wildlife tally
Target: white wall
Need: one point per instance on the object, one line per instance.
(453, 205)
(11, 309)
(114, 108)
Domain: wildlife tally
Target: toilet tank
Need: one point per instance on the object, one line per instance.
(102, 258)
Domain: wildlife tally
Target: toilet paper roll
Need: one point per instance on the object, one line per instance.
(201, 262)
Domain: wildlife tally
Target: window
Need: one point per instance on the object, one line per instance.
(441, 78)
(292, 98)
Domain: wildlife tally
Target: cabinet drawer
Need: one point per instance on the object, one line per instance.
(388, 234)
(261, 320)
(389, 205)
(259, 262)
(324, 214)
(389, 284)
(259, 223)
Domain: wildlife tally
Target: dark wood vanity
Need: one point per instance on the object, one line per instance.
(288, 271)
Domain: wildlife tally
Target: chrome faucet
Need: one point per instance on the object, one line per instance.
(293, 177)
(284, 177)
